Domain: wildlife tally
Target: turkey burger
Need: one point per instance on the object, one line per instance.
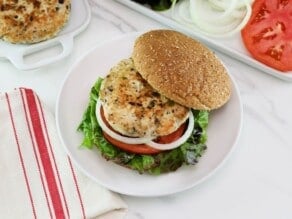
(152, 108)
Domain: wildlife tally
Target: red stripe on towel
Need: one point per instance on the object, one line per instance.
(20, 156)
(77, 188)
(53, 156)
(44, 154)
(35, 153)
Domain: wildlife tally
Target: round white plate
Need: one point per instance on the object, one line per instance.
(223, 130)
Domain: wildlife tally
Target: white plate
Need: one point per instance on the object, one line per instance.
(231, 46)
(223, 131)
(31, 56)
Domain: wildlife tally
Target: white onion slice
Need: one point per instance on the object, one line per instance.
(223, 15)
(179, 141)
(128, 140)
(223, 4)
(216, 18)
(180, 11)
(230, 24)
(148, 141)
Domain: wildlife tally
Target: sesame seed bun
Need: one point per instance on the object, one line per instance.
(182, 69)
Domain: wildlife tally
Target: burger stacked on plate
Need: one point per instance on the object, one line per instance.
(150, 113)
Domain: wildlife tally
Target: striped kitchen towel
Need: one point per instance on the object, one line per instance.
(37, 178)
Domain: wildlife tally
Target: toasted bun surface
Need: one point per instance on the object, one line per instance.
(32, 21)
(182, 69)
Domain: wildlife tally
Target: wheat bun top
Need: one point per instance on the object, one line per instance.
(182, 69)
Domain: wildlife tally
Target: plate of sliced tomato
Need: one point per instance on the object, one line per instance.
(73, 100)
(268, 34)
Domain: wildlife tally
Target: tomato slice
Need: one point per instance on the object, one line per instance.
(268, 34)
(172, 136)
(143, 148)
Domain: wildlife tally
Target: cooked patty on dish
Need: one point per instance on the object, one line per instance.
(133, 108)
(32, 21)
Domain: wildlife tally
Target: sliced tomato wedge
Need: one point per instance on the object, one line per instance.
(143, 148)
(133, 148)
(268, 34)
(172, 136)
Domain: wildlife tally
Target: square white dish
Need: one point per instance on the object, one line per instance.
(32, 56)
(231, 46)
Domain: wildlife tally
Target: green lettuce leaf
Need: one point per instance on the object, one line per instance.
(157, 5)
(166, 161)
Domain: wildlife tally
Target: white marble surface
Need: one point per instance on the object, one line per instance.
(255, 182)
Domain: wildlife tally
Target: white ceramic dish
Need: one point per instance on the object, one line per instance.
(231, 46)
(223, 131)
(26, 57)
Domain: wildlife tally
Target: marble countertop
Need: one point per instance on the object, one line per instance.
(255, 182)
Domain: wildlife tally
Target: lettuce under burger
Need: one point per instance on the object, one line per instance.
(165, 161)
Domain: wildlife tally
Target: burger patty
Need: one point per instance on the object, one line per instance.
(133, 108)
(32, 21)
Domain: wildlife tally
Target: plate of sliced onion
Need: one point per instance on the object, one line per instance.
(73, 101)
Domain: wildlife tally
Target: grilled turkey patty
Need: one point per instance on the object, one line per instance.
(133, 108)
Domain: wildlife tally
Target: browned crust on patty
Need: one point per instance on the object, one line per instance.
(32, 21)
(133, 108)
(182, 69)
